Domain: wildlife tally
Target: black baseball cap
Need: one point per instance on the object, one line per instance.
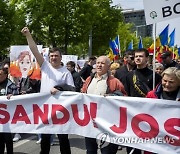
(166, 54)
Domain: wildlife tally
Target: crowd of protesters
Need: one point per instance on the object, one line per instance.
(99, 76)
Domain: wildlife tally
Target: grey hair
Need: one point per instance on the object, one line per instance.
(107, 60)
(172, 71)
(157, 65)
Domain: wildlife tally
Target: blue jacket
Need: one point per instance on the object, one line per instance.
(11, 88)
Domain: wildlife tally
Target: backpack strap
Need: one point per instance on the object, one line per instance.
(141, 87)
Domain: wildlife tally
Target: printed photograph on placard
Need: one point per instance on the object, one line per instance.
(23, 63)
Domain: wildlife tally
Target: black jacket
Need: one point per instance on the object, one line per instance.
(28, 85)
(11, 88)
(144, 78)
(86, 71)
(77, 81)
(121, 74)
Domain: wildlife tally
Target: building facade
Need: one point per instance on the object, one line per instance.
(137, 17)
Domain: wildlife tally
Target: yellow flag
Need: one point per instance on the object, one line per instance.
(111, 55)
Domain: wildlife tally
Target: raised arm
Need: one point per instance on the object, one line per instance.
(33, 46)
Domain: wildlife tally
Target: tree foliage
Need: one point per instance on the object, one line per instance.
(6, 25)
(64, 23)
(126, 34)
(67, 23)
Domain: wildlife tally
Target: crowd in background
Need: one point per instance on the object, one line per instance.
(132, 76)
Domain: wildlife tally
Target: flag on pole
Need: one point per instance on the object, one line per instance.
(164, 36)
(115, 45)
(130, 46)
(176, 53)
(158, 45)
(172, 38)
(140, 45)
(179, 52)
(110, 55)
(117, 41)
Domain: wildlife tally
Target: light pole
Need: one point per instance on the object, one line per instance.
(90, 43)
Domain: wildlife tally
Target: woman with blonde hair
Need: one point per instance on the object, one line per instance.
(114, 66)
(170, 86)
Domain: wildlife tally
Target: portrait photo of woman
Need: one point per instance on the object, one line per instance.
(23, 64)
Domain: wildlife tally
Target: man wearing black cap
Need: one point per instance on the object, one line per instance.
(167, 60)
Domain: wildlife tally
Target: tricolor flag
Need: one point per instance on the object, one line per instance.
(115, 46)
(172, 38)
(164, 36)
(140, 45)
(118, 43)
(179, 51)
(130, 46)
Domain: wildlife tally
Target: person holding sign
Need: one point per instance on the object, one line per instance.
(8, 88)
(170, 86)
(102, 83)
(140, 81)
(168, 89)
(53, 75)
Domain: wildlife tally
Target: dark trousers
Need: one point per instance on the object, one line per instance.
(136, 151)
(92, 147)
(63, 141)
(6, 139)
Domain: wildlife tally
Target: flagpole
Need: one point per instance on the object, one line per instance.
(119, 47)
(154, 55)
(173, 52)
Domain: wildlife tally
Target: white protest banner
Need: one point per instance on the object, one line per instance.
(66, 58)
(81, 63)
(160, 10)
(143, 123)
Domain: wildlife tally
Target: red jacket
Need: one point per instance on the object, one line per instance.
(113, 85)
(157, 92)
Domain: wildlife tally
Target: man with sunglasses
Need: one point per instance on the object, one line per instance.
(167, 60)
(128, 66)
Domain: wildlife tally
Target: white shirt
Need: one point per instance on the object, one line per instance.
(51, 77)
(98, 86)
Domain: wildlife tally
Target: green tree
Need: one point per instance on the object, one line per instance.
(147, 41)
(127, 34)
(66, 23)
(7, 26)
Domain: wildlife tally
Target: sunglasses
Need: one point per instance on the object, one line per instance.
(132, 58)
